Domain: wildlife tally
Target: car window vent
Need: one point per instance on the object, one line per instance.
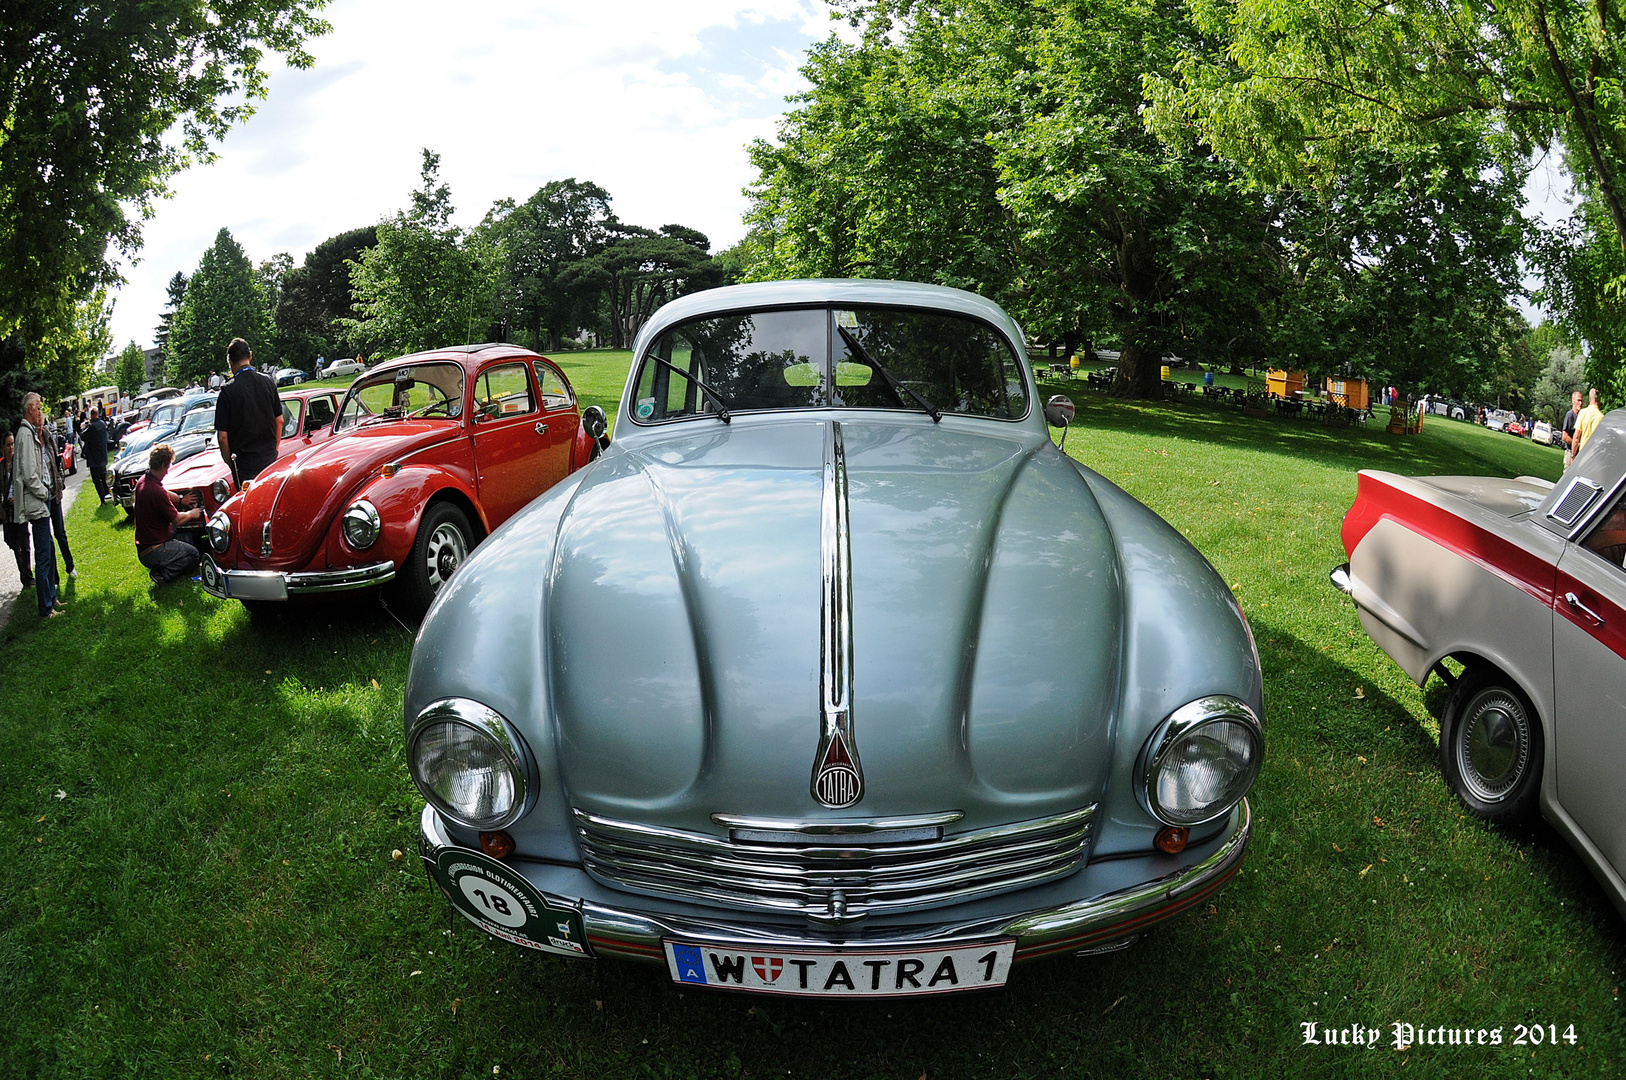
(1574, 502)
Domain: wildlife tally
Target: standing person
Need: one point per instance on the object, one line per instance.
(59, 528)
(248, 416)
(1568, 433)
(1587, 422)
(32, 490)
(16, 530)
(94, 440)
(166, 558)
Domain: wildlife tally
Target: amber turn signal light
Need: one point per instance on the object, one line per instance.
(499, 845)
(390, 470)
(1171, 839)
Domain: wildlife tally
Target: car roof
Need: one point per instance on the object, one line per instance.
(309, 391)
(813, 292)
(469, 356)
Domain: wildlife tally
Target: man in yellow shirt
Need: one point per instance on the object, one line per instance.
(1587, 422)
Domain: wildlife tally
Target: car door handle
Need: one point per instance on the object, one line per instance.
(1575, 602)
(541, 429)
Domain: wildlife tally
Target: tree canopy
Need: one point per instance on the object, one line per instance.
(99, 106)
(224, 300)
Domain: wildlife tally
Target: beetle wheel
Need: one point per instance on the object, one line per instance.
(444, 541)
(1491, 747)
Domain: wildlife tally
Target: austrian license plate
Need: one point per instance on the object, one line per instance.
(847, 973)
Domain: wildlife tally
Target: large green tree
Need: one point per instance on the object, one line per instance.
(426, 283)
(640, 270)
(224, 300)
(998, 146)
(315, 297)
(542, 240)
(131, 369)
(100, 104)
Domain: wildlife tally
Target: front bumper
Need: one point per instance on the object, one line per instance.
(615, 926)
(279, 585)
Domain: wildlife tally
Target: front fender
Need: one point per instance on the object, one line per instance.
(1167, 661)
(490, 645)
(400, 501)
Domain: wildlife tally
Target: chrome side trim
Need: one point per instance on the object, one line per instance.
(1339, 576)
(838, 777)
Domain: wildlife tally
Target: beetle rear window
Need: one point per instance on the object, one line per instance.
(860, 358)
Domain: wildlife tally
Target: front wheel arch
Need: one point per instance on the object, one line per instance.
(1492, 745)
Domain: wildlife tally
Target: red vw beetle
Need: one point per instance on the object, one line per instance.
(428, 454)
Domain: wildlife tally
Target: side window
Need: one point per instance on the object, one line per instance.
(290, 418)
(555, 393)
(1608, 538)
(319, 413)
(503, 391)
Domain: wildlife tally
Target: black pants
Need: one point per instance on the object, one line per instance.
(98, 475)
(17, 541)
(251, 465)
(61, 530)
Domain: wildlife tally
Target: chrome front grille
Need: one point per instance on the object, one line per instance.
(831, 878)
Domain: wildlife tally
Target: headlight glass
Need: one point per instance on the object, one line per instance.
(1201, 761)
(361, 525)
(220, 490)
(219, 532)
(465, 764)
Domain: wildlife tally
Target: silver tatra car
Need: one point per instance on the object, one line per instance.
(833, 675)
(1521, 583)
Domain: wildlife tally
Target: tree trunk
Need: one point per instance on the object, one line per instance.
(1138, 371)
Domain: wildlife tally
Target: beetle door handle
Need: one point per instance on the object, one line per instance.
(541, 429)
(1575, 602)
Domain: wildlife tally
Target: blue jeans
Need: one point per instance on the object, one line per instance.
(44, 564)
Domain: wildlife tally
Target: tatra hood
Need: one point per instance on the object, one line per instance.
(684, 623)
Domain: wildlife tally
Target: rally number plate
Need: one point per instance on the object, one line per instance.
(847, 973)
(500, 901)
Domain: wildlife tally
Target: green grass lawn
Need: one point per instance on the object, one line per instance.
(206, 820)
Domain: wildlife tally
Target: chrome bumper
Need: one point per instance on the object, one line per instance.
(1087, 925)
(1339, 576)
(277, 585)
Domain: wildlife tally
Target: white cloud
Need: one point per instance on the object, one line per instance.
(655, 101)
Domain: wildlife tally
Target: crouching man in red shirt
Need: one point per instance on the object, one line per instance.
(166, 558)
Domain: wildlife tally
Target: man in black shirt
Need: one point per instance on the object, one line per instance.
(1567, 433)
(248, 416)
(94, 439)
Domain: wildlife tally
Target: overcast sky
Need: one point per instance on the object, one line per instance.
(655, 101)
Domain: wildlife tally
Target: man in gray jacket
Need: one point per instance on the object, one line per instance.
(32, 490)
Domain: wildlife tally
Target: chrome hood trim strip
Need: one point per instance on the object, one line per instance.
(838, 778)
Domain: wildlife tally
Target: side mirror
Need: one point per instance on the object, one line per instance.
(1058, 412)
(596, 424)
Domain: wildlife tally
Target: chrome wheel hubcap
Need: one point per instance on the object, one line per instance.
(446, 550)
(1493, 744)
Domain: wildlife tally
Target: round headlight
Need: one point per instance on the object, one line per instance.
(1201, 761)
(361, 525)
(220, 490)
(466, 764)
(219, 529)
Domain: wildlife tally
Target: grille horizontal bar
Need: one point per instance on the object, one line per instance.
(824, 881)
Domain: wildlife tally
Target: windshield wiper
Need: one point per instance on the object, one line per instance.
(722, 402)
(894, 385)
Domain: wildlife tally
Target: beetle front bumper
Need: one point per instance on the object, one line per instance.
(278, 585)
(1119, 898)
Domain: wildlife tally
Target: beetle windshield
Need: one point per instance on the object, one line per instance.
(166, 415)
(197, 421)
(421, 390)
(804, 359)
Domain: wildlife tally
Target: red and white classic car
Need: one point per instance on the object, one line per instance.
(427, 455)
(1521, 582)
(307, 419)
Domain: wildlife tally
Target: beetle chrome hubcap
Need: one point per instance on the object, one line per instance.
(446, 551)
(1493, 744)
